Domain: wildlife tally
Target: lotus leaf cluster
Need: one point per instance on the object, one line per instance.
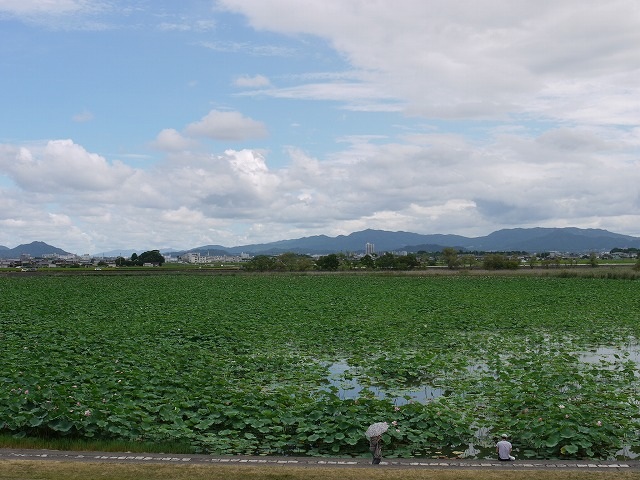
(239, 364)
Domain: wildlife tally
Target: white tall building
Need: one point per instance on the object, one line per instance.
(369, 248)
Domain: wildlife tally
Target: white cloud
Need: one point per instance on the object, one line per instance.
(256, 81)
(38, 7)
(438, 183)
(558, 80)
(61, 166)
(187, 25)
(232, 126)
(249, 48)
(171, 140)
(476, 60)
(58, 14)
(82, 117)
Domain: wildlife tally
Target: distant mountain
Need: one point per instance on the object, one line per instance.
(2, 247)
(354, 242)
(210, 250)
(534, 240)
(519, 239)
(553, 239)
(35, 249)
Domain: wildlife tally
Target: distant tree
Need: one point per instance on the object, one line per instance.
(450, 256)
(499, 262)
(260, 263)
(468, 261)
(407, 262)
(292, 262)
(287, 261)
(121, 262)
(305, 262)
(551, 262)
(593, 259)
(386, 261)
(328, 262)
(368, 262)
(344, 261)
(151, 256)
(532, 261)
(636, 267)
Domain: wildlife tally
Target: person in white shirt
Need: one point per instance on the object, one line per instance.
(503, 447)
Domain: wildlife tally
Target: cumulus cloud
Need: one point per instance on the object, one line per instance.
(170, 140)
(61, 165)
(475, 60)
(556, 80)
(436, 183)
(220, 125)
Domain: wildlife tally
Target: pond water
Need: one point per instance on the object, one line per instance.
(347, 382)
(608, 354)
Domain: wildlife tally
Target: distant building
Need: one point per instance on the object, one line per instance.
(369, 249)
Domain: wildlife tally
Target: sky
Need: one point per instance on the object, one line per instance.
(155, 124)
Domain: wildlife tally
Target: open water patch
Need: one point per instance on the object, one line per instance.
(345, 381)
(609, 355)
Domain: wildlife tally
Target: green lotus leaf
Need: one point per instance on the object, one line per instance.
(569, 449)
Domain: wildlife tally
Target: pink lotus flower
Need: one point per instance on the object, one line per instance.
(599, 423)
(87, 413)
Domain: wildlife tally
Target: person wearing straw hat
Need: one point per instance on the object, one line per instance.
(503, 447)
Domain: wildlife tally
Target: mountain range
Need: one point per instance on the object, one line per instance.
(576, 240)
(568, 239)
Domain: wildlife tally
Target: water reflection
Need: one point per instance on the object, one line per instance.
(612, 355)
(347, 382)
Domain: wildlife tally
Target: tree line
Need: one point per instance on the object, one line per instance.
(449, 257)
(152, 256)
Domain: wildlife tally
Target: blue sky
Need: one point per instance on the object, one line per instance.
(155, 124)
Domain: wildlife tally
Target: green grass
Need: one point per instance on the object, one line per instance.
(51, 470)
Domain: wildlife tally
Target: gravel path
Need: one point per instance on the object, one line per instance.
(425, 463)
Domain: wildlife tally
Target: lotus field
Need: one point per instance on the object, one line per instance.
(302, 364)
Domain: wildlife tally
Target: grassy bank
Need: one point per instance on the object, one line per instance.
(41, 470)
